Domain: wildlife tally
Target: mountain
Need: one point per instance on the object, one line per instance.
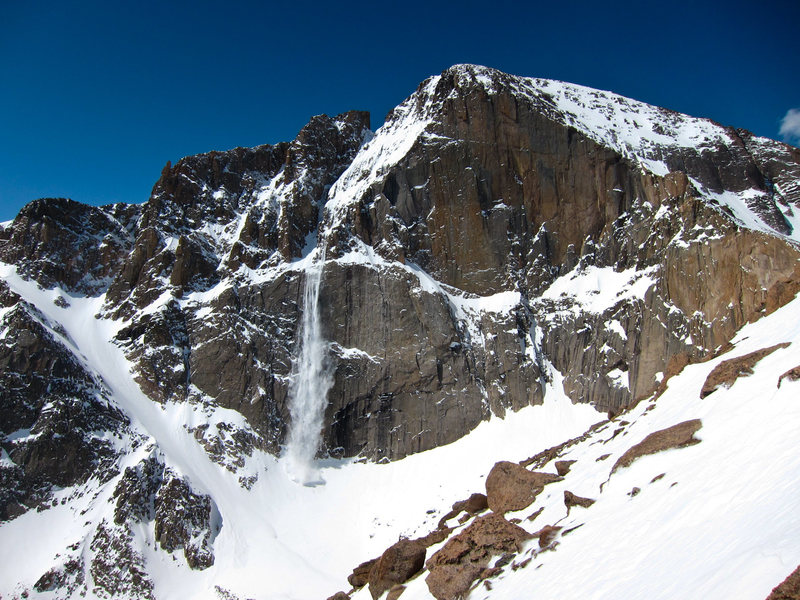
(506, 265)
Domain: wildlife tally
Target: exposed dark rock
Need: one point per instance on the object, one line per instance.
(60, 242)
(52, 413)
(459, 563)
(66, 578)
(792, 374)
(339, 596)
(472, 506)
(396, 565)
(571, 500)
(512, 487)
(502, 193)
(185, 520)
(539, 460)
(395, 592)
(677, 436)
(728, 371)
(563, 466)
(117, 569)
(547, 535)
(436, 536)
(136, 492)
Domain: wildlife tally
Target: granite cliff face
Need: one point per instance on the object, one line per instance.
(495, 230)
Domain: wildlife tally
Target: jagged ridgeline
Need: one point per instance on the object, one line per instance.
(447, 236)
(493, 229)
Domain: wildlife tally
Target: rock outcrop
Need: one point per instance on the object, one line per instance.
(728, 371)
(510, 486)
(455, 567)
(396, 565)
(677, 436)
(792, 374)
(571, 500)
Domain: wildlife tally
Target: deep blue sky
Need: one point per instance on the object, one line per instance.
(96, 97)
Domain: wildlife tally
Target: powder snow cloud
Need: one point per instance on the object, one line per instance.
(790, 125)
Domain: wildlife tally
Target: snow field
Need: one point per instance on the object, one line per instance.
(722, 522)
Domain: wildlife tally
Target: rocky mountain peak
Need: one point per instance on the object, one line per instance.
(497, 240)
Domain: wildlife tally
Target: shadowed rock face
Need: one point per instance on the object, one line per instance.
(60, 242)
(499, 193)
(56, 424)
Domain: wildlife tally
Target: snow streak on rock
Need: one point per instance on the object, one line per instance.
(308, 390)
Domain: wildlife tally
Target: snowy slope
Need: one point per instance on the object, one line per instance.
(721, 522)
(279, 540)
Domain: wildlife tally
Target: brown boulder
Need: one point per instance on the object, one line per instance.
(397, 564)
(455, 567)
(510, 486)
(728, 371)
(789, 589)
(360, 575)
(339, 596)
(563, 466)
(677, 436)
(571, 500)
(547, 535)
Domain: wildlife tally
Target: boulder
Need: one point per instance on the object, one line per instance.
(360, 575)
(460, 562)
(571, 500)
(677, 436)
(792, 374)
(397, 564)
(563, 466)
(547, 535)
(472, 506)
(728, 371)
(510, 486)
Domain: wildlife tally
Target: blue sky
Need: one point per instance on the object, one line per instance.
(96, 97)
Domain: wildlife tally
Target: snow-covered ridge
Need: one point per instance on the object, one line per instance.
(654, 138)
(389, 146)
(637, 130)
